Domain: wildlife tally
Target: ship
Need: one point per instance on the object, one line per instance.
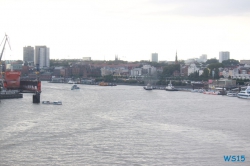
(106, 84)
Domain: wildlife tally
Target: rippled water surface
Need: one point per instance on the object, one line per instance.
(123, 125)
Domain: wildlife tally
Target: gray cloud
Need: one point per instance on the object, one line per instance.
(205, 7)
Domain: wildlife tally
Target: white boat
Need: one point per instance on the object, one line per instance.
(211, 92)
(46, 102)
(54, 103)
(71, 82)
(244, 94)
(231, 94)
(74, 87)
(197, 90)
(170, 87)
(57, 103)
(148, 87)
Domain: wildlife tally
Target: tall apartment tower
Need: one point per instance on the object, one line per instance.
(28, 54)
(42, 54)
(154, 57)
(224, 55)
(203, 58)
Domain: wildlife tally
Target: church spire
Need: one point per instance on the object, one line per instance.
(176, 59)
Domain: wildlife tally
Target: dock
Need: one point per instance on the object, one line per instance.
(11, 96)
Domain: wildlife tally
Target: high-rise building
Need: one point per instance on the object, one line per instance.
(28, 54)
(224, 55)
(203, 58)
(154, 57)
(42, 54)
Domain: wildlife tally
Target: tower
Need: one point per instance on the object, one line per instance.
(42, 56)
(154, 57)
(116, 57)
(176, 59)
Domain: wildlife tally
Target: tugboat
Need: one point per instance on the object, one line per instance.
(170, 87)
(148, 87)
(74, 87)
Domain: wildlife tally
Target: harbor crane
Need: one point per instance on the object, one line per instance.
(6, 40)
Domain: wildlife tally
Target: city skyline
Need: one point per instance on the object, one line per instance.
(131, 30)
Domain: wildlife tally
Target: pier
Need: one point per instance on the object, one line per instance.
(11, 96)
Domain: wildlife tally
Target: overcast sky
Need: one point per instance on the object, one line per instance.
(131, 29)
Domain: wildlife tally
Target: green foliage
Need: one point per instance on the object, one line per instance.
(230, 62)
(108, 78)
(99, 79)
(210, 61)
(169, 69)
(215, 66)
(205, 73)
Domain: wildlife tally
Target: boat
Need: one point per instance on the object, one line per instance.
(244, 94)
(231, 94)
(148, 87)
(57, 103)
(71, 82)
(74, 87)
(197, 90)
(46, 102)
(170, 87)
(106, 84)
(54, 102)
(211, 92)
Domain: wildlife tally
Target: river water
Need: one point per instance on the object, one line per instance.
(123, 125)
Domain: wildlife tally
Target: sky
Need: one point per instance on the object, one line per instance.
(131, 29)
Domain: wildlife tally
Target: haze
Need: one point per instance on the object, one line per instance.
(127, 28)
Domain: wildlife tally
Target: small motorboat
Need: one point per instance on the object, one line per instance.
(54, 103)
(74, 87)
(57, 103)
(148, 87)
(46, 102)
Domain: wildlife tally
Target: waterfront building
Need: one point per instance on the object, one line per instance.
(148, 70)
(246, 62)
(222, 82)
(42, 56)
(136, 72)
(192, 68)
(86, 58)
(190, 61)
(154, 57)
(28, 54)
(224, 55)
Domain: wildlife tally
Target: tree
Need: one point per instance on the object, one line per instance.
(215, 66)
(205, 73)
(216, 73)
(213, 60)
(169, 69)
(230, 62)
(108, 78)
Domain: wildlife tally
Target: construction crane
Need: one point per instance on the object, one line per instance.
(5, 39)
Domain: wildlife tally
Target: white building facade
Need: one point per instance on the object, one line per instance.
(154, 57)
(224, 55)
(42, 56)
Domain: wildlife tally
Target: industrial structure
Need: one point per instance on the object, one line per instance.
(10, 80)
